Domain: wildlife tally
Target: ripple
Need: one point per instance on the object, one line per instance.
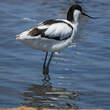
(79, 74)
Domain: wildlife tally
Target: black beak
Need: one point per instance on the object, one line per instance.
(88, 15)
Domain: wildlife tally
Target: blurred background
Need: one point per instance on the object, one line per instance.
(80, 75)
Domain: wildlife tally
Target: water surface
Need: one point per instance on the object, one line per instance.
(79, 75)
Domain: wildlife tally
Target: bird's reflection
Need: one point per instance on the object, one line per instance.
(47, 96)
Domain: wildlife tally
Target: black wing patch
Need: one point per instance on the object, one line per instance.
(56, 37)
(51, 21)
(35, 32)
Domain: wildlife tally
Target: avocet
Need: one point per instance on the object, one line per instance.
(53, 35)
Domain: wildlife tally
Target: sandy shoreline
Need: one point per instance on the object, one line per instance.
(31, 108)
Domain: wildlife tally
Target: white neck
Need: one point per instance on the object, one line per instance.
(76, 16)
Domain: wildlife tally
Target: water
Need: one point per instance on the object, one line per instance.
(79, 75)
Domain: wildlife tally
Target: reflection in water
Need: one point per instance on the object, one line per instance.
(47, 96)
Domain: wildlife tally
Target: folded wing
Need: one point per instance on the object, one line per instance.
(53, 29)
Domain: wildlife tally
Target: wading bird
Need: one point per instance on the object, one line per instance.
(53, 35)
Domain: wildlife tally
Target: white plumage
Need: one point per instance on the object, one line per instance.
(59, 29)
(62, 30)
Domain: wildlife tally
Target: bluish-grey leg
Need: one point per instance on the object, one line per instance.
(44, 65)
(47, 68)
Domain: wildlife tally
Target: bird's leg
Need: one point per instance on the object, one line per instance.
(44, 65)
(47, 68)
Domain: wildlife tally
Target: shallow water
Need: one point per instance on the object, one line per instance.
(79, 75)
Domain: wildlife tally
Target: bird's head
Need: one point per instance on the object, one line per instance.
(74, 12)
